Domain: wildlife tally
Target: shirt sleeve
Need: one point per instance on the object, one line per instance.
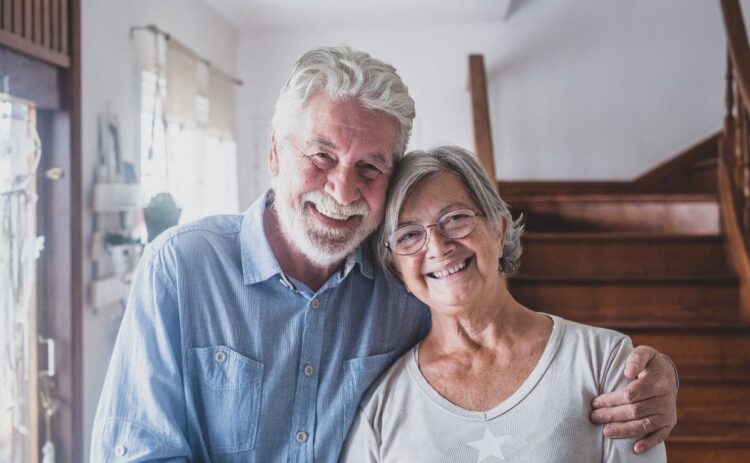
(621, 450)
(362, 444)
(142, 412)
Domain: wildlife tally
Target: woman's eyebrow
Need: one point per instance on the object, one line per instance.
(450, 207)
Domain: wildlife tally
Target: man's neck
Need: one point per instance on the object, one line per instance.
(292, 262)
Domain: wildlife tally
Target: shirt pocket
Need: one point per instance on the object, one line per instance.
(227, 386)
(359, 375)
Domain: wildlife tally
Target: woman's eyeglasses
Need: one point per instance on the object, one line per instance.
(410, 239)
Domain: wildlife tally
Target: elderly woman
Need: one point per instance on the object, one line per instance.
(492, 378)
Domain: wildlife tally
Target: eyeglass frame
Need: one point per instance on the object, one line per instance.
(475, 215)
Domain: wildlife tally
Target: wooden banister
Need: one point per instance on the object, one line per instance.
(739, 50)
(481, 114)
(734, 157)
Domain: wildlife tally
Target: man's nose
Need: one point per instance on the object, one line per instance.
(342, 186)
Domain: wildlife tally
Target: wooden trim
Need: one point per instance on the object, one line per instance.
(654, 181)
(46, 28)
(481, 114)
(705, 149)
(76, 226)
(33, 49)
(55, 25)
(17, 16)
(64, 26)
(37, 21)
(738, 46)
(7, 15)
(28, 20)
(736, 247)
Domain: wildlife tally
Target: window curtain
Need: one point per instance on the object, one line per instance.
(187, 130)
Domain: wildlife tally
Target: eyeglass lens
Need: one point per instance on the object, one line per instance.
(453, 225)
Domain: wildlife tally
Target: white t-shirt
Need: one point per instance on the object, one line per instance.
(403, 419)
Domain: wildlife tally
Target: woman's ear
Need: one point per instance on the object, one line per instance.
(501, 232)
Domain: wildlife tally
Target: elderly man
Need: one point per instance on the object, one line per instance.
(253, 338)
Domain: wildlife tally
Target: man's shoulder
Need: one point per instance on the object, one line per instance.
(390, 387)
(196, 236)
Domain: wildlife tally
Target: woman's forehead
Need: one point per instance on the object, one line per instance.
(435, 195)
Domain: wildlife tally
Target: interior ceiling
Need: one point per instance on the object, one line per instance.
(285, 13)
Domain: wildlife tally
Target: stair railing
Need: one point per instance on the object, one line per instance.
(734, 147)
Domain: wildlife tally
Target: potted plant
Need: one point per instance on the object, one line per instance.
(161, 213)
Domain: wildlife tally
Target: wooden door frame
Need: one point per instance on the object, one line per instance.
(54, 85)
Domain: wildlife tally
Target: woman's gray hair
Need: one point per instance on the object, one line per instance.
(418, 166)
(344, 74)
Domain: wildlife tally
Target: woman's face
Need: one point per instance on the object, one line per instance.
(477, 280)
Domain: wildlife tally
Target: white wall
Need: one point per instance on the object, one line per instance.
(109, 83)
(580, 89)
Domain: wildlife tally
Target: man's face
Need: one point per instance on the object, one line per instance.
(330, 177)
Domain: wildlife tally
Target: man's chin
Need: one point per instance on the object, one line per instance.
(325, 255)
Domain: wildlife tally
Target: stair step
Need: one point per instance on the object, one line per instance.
(709, 442)
(622, 254)
(713, 375)
(623, 316)
(669, 296)
(711, 433)
(668, 214)
(713, 403)
(726, 322)
(722, 350)
(676, 453)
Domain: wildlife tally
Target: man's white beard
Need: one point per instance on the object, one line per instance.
(322, 245)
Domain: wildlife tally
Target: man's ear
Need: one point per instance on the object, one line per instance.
(273, 157)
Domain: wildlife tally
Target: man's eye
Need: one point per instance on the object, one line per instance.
(370, 171)
(321, 160)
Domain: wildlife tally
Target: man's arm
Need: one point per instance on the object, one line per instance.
(142, 414)
(645, 407)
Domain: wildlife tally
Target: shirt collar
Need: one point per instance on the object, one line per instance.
(258, 261)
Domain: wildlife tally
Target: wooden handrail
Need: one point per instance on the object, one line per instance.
(739, 50)
(481, 114)
(734, 156)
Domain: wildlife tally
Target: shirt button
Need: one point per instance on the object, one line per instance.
(308, 370)
(120, 450)
(315, 303)
(220, 357)
(301, 437)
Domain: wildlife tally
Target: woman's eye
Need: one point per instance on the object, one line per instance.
(457, 218)
(408, 236)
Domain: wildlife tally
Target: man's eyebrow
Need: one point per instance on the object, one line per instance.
(381, 158)
(322, 142)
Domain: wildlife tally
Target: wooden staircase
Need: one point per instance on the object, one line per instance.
(664, 258)
(652, 265)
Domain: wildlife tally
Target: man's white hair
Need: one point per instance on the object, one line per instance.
(344, 74)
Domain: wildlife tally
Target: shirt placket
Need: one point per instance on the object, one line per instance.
(305, 402)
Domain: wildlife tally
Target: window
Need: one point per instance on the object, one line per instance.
(196, 166)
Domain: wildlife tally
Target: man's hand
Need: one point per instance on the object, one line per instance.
(647, 406)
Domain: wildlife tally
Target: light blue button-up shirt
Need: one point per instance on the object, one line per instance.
(221, 358)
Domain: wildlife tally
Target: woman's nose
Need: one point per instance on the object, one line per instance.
(437, 244)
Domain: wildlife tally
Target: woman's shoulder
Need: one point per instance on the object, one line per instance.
(588, 336)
